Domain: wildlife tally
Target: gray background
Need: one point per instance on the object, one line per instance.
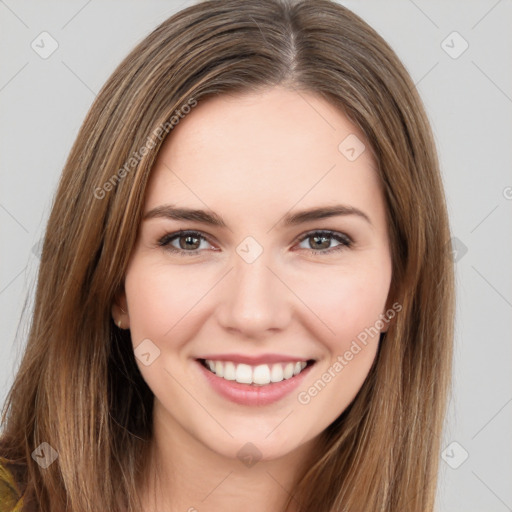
(469, 101)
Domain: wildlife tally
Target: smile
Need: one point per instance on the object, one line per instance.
(259, 375)
(254, 385)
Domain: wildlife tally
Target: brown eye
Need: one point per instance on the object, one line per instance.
(319, 242)
(188, 242)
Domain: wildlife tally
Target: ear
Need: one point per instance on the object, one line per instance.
(120, 313)
(389, 313)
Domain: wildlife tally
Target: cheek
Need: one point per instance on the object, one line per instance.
(349, 304)
(158, 298)
(162, 304)
(346, 302)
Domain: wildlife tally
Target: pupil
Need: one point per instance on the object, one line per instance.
(188, 242)
(325, 239)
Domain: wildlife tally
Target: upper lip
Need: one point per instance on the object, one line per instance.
(254, 360)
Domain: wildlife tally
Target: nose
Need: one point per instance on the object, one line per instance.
(255, 301)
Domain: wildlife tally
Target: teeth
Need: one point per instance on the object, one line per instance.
(243, 374)
(229, 371)
(276, 373)
(219, 369)
(261, 374)
(288, 370)
(258, 375)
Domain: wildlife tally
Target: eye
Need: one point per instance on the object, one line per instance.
(319, 242)
(188, 242)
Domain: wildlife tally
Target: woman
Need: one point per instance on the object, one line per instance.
(244, 297)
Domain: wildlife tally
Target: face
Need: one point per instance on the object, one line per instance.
(271, 284)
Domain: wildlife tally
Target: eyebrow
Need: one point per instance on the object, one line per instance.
(290, 219)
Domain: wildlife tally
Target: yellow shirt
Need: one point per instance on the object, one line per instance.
(10, 497)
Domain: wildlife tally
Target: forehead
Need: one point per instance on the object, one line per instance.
(275, 148)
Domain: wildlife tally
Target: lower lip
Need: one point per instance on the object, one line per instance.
(246, 394)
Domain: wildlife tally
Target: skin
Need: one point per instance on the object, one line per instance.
(252, 158)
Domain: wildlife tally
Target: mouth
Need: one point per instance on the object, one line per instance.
(254, 384)
(256, 375)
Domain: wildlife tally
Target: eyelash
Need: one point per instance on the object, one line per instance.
(345, 241)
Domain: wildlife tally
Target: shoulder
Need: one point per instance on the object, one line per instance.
(10, 497)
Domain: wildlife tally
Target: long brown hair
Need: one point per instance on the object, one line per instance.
(78, 387)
